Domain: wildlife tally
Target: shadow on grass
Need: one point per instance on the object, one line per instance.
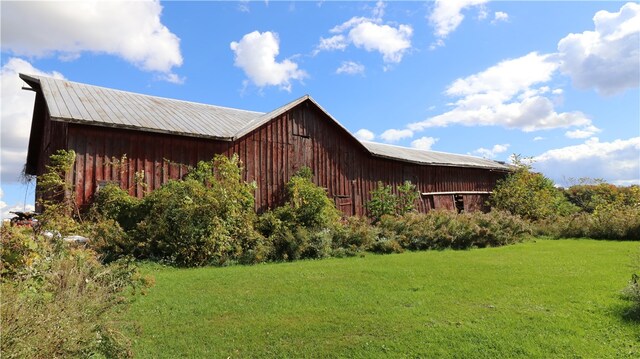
(628, 311)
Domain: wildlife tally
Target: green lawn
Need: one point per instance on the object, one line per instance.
(547, 299)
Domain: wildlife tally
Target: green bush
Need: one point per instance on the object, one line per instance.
(607, 222)
(207, 218)
(386, 203)
(529, 195)
(58, 300)
(446, 229)
(590, 195)
(189, 224)
(303, 227)
(355, 235)
(310, 206)
(383, 202)
(112, 202)
(111, 241)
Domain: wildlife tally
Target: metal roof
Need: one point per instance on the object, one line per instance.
(430, 157)
(79, 103)
(86, 104)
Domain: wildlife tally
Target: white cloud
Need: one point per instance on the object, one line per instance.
(15, 118)
(350, 68)
(538, 138)
(616, 162)
(607, 59)
(447, 16)
(336, 42)
(243, 6)
(370, 34)
(131, 30)
(499, 16)
(256, 55)
(391, 42)
(393, 135)
(585, 132)
(508, 77)
(492, 152)
(506, 95)
(424, 143)
(364, 135)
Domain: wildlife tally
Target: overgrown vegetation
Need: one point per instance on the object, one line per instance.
(591, 209)
(530, 195)
(384, 202)
(58, 300)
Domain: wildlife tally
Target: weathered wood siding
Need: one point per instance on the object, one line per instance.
(271, 154)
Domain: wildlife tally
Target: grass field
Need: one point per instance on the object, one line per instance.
(547, 299)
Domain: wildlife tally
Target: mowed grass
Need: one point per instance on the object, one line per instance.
(545, 298)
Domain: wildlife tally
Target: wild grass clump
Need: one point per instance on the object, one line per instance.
(58, 300)
(606, 222)
(446, 229)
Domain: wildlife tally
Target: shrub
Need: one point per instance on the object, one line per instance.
(383, 202)
(590, 195)
(111, 241)
(310, 206)
(208, 218)
(112, 202)
(55, 195)
(304, 226)
(407, 197)
(529, 195)
(355, 235)
(608, 222)
(446, 229)
(58, 300)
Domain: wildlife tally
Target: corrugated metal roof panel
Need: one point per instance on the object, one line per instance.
(430, 157)
(81, 103)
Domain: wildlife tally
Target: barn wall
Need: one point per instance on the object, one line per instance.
(271, 154)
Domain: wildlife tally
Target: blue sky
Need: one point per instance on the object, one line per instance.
(556, 81)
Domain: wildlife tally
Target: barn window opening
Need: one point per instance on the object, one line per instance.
(459, 202)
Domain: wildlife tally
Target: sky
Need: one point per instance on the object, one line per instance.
(554, 81)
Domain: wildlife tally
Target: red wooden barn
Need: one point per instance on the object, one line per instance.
(125, 137)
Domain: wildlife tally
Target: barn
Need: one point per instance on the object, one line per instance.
(140, 142)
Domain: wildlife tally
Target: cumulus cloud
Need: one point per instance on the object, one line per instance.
(447, 16)
(131, 30)
(499, 16)
(336, 42)
(424, 143)
(364, 135)
(538, 138)
(493, 151)
(608, 58)
(391, 42)
(393, 135)
(585, 132)
(616, 162)
(508, 94)
(256, 55)
(370, 34)
(350, 68)
(17, 110)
